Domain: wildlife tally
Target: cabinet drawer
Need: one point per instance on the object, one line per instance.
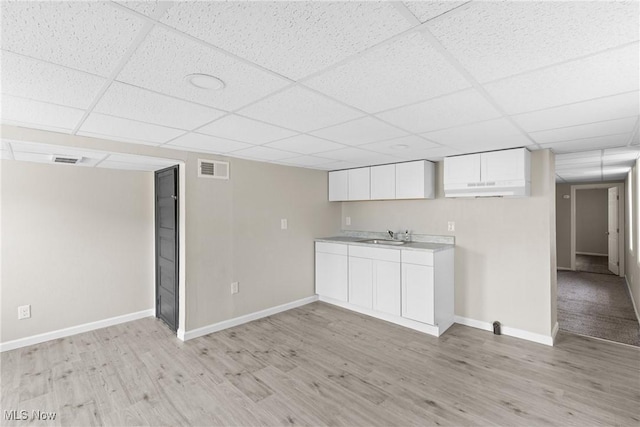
(417, 257)
(375, 253)
(331, 248)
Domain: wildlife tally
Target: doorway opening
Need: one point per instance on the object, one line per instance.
(595, 226)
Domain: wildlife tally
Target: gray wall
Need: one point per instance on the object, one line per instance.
(77, 245)
(592, 221)
(505, 247)
(232, 233)
(563, 225)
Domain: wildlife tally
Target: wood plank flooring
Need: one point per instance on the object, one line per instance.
(321, 365)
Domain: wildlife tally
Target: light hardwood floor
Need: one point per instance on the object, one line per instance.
(321, 365)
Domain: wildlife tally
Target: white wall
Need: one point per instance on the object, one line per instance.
(505, 247)
(232, 229)
(77, 245)
(632, 270)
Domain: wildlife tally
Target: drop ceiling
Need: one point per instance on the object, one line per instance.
(331, 85)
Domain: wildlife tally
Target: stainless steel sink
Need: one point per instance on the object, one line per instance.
(383, 242)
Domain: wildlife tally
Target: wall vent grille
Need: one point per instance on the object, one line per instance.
(213, 169)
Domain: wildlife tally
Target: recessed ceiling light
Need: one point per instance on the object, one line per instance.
(400, 146)
(204, 81)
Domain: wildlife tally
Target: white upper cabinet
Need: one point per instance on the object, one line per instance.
(495, 173)
(383, 182)
(338, 186)
(359, 184)
(415, 180)
(462, 169)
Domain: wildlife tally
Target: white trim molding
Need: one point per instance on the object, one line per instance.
(236, 321)
(74, 330)
(591, 253)
(507, 330)
(633, 302)
(564, 268)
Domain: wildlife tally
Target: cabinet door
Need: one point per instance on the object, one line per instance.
(417, 293)
(386, 289)
(331, 275)
(361, 282)
(506, 165)
(383, 182)
(410, 180)
(359, 184)
(338, 186)
(462, 169)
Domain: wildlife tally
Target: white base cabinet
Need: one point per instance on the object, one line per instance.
(407, 287)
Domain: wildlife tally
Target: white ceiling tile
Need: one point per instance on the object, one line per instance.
(305, 144)
(434, 154)
(247, 130)
(300, 109)
(207, 143)
(336, 166)
(42, 81)
(359, 157)
(456, 109)
(498, 39)
(608, 73)
(589, 143)
(609, 127)
(110, 127)
(360, 131)
(40, 115)
(304, 161)
(596, 110)
(402, 72)
(131, 102)
(263, 153)
(400, 146)
(483, 136)
(426, 10)
(88, 36)
(628, 154)
(164, 59)
(294, 39)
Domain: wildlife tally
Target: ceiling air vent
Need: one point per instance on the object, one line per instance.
(213, 169)
(69, 160)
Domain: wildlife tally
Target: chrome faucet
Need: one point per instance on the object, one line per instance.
(391, 233)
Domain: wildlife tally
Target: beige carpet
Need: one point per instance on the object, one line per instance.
(597, 305)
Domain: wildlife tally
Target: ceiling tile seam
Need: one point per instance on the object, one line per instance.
(146, 28)
(582, 124)
(566, 61)
(45, 102)
(597, 98)
(457, 65)
(29, 125)
(171, 96)
(412, 104)
(44, 61)
(455, 10)
(584, 138)
(635, 132)
(199, 41)
(102, 160)
(121, 139)
(467, 75)
(144, 122)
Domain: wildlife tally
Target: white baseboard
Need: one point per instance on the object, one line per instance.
(591, 253)
(225, 324)
(506, 330)
(635, 307)
(61, 333)
(564, 268)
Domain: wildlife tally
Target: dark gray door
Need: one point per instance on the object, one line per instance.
(167, 246)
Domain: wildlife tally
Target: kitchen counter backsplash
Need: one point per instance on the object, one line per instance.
(419, 238)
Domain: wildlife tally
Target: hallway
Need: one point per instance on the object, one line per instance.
(597, 305)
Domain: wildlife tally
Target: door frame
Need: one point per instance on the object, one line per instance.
(621, 220)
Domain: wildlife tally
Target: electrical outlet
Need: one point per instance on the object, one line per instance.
(283, 224)
(235, 287)
(347, 220)
(451, 226)
(24, 312)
